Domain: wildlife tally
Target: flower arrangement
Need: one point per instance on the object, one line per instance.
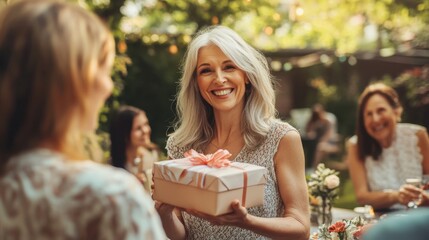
(323, 186)
(346, 229)
(324, 183)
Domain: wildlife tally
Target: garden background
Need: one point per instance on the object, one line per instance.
(323, 51)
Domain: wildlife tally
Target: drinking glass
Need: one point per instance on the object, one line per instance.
(417, 182)
(425, 182)
(424, 186)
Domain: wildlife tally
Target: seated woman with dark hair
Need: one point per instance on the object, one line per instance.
(131, 146)
(384, 152)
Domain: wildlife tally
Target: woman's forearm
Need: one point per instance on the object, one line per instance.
(173, 227)
(278, 228)
(379, 200)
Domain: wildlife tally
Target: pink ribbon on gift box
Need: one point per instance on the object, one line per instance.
(218, 159)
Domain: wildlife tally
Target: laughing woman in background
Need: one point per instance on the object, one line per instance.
(385, 152)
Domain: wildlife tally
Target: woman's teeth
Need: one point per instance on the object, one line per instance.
(222, 92)
(379, 128)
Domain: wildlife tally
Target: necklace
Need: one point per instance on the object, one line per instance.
(223, 145)
(227, 141)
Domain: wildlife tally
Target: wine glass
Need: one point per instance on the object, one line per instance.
(417, 182)
(424, 186)
(425, 182)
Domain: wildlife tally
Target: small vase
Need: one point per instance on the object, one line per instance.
(325, 212)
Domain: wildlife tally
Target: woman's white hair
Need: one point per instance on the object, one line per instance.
(195, 125)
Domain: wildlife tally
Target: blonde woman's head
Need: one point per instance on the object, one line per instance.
(55, 61)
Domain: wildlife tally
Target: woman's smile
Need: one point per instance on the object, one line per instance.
(222, 92)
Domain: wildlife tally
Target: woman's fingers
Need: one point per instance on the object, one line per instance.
(408, 193)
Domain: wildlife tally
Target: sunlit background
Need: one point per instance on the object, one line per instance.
(322, 51)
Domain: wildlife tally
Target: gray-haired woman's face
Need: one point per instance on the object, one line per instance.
(220, 82)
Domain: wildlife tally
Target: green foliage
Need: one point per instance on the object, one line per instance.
(151, 85)
(413, 89)
(203, 13)
(346, 26)
(119, 72)
(416, 84)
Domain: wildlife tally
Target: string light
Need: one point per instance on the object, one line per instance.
(276, 65)
(215, 20)
(295, 11)
(122, 46)
(173, 49)
(268, 30)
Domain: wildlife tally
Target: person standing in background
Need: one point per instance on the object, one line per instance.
(322, 128)
(55, 65)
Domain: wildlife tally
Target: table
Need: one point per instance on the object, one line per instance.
(337, 215)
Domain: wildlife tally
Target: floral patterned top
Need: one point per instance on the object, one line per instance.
(273, 205)
(45, 196)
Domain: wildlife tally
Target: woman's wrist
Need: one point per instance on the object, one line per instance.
(247, 222)
(394, 197)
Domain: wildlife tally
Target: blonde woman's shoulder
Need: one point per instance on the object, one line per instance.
(280, 125)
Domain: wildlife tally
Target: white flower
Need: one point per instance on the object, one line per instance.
(332, 181)
(334, 236)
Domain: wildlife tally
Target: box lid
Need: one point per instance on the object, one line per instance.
(235, 176)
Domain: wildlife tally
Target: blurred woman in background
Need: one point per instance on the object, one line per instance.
(384, 152)
(131, 146)
(55, 65)
(322, 128)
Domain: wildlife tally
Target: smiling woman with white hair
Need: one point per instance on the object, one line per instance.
(227, 101)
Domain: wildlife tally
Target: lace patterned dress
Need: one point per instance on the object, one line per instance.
(401, 160)
(44, 196)
(273, 205)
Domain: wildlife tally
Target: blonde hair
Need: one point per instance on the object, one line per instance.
(194, 127)
(50, 53)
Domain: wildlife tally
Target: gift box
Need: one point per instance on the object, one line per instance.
(206, 188)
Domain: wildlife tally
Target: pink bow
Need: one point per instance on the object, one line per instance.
(218, 159)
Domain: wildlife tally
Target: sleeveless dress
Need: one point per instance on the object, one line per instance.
(263, 155)
(45, 196)
(401, 160)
